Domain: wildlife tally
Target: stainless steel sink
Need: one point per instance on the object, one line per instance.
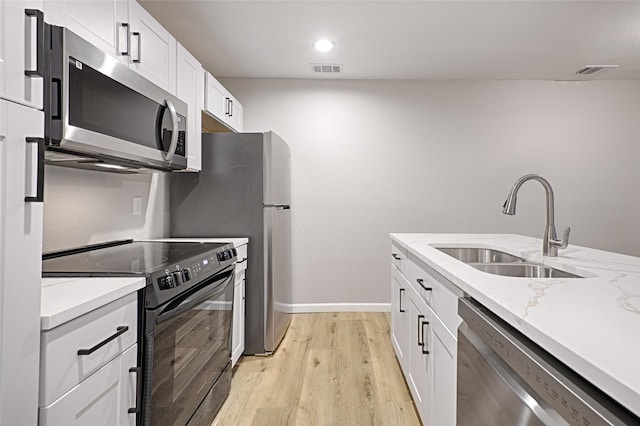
(500, 263)
(523, 270)
(479, 255)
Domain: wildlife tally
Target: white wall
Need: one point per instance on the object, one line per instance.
(374, 157)
(85, 207)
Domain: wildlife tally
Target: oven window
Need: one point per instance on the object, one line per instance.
(101, 104)
(190, 351)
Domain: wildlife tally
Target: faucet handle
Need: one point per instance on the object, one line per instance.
(565, 238)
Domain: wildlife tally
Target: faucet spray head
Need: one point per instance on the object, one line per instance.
(509, 206)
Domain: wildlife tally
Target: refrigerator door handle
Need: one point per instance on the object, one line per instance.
(279, 206)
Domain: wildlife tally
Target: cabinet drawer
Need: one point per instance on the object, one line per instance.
(399, 258)
(440, 294)
(62, 368)
(102, 399)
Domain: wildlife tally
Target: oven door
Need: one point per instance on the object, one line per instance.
(187, 348)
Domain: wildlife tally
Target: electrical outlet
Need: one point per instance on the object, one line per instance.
(137, 206)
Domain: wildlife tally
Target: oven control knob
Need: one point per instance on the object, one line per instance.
(176, 279)
(166, 282)
(221, 256)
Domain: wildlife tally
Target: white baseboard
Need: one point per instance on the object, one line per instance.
(299, 308)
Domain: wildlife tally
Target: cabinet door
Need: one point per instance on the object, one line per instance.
(103, 399)
(103, 23)
(191, 90)
(235, 115)
(237, 338)
(153, 48)
(19, 48)
(215, 101)
(444, 377)
(399, 317)
(420, 363)
(20, 264)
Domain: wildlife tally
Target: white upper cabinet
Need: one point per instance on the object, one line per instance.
(220, 104)
(235, 114)
(215, 95)
(103, 23)
(153, 48)
(21, 42)
(191, 90)
(124, 30)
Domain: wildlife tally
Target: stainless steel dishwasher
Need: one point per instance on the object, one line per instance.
(506, 379)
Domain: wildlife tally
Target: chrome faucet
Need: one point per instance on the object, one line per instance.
(550, 243)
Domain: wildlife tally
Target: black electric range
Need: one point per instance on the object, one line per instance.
(169, 267)
(188, 309)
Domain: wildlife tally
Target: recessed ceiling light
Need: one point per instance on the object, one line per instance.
(323, 45)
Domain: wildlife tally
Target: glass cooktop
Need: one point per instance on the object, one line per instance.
(129, 258)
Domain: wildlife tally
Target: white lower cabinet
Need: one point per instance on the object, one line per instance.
(237, 335)
(444, 347)
(104, 399)
(399, 324)
(89, 368)
(420, 365)
(424, 324)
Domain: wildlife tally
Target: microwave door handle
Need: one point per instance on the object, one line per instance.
(174, 134)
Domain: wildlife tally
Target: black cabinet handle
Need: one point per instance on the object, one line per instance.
(139, 58)
(419, 334)
(120, 330)
(395, 256)
(230, 107)
(39, 71)
(137, 370)
(226, 106)
(421, 282)
(424, 341)
(400, 300)
(127, 52)
(39, 197)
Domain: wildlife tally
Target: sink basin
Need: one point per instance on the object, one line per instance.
(480, 255)
(500, 263)
(523, 270)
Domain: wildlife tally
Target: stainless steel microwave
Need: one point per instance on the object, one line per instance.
(102, 115)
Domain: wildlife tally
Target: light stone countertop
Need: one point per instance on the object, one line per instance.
(64, 299)
(591, 324)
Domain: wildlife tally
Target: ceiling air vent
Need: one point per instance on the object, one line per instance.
(592, 69)
(327, 68)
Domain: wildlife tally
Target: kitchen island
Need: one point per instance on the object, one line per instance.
(592, 324)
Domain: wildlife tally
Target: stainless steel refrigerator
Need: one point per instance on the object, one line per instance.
(244, 189)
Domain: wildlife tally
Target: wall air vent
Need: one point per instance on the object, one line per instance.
(326, 68)
(592, 69)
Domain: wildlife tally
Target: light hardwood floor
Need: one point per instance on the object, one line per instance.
(330, 369)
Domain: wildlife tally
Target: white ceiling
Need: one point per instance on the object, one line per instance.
(548, 40)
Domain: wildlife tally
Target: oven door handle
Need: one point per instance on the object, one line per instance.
(187, 301)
